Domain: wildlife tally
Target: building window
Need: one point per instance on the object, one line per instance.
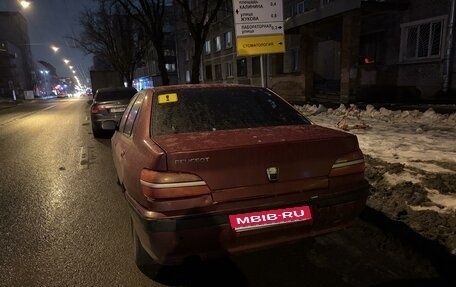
(242, 67)
(168, 52)
(170, 67)
(256, 66)
(228, 39)
(372, 48)
(326, 2)
(187, 76)
(218, 43)
(301, 7)
(294, 53)
(422, 39)
(207, 47)
(218, 71)
(227, 8)
(229, 70)
(208, 72)
(187, 55)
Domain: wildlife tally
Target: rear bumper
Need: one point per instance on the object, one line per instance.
(97, 119)
(171, 240)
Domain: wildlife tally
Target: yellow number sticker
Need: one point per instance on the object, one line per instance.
(167, 98)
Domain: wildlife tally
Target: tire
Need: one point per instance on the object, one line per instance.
(96, 132)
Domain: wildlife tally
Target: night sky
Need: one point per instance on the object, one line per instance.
(49, 23)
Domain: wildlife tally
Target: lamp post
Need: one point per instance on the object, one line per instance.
(45, 74)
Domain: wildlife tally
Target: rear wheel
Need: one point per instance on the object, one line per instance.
(96, 132)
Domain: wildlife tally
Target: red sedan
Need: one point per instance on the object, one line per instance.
(210, 170)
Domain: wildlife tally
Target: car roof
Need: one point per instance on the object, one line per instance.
(115, 89)
(161, 89)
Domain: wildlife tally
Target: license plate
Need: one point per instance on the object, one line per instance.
(117, 110)
(261, 219)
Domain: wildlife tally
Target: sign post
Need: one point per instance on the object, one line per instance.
(259, 28)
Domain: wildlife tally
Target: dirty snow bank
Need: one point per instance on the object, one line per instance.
(411, 163)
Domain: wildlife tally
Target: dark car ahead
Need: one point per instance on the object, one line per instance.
(109, 105)
(210, 170)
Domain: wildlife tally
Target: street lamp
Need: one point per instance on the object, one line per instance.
(55, 48)
(25, 4)
(66, 61)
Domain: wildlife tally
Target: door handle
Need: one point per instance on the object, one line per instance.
(122, 153)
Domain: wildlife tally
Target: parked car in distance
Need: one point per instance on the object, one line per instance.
(108, 105)
(210, 170)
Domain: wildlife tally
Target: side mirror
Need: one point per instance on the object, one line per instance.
(109, 125)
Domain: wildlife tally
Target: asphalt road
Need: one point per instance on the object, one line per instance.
(64, 222)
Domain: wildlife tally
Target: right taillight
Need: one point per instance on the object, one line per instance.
(348, 164)
(171, 185)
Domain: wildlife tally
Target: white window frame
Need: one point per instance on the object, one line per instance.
(299, 8)
(229, 70)
(170, 67)
(228, 39)
(187, 55)
(405, 28)
(187, 76)
(218, 43)
(207, 47)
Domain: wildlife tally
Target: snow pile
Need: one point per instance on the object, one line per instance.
(411, 163)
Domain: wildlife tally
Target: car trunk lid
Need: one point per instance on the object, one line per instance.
(258, 162)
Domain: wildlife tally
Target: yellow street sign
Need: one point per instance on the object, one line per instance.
(258, 45)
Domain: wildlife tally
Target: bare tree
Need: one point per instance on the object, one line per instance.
(111, 33)
(150, 14)
(199, 20)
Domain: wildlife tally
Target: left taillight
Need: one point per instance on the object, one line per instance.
(98, 108)
(157, 185)
(351, 163)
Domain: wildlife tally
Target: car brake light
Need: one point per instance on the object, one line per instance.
(348, 164)
(171, 185)
(98, 108)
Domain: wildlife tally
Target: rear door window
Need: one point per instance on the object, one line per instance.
(125, 114)
(133, 114)
(211, 109)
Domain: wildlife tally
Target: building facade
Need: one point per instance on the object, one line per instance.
(16, 65)
(148, 74)
(339, 51)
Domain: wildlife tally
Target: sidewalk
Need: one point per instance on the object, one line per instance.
(5, 103)
(9, 103)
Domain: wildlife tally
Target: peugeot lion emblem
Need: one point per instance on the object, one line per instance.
(273, 174)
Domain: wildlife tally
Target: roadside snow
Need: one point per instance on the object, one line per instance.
(411, 162)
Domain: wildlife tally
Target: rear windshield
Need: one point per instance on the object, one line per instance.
(211, 109)
(115, 95)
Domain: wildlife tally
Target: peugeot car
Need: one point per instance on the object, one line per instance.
(211, 170)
